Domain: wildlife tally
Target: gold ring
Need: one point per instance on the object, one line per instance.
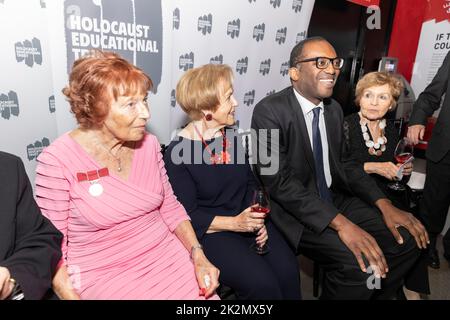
(12, 280)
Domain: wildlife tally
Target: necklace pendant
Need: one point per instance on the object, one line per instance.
(119, 169)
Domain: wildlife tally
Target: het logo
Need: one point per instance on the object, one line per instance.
(250, 1)
(186, 61)
(275, 3)
(264, 68)
(173, 100)
(242, 65)
(300, 37)
(42, 3)
(9, 105)
(176, 19)
(297, 5)
(29, 51)
(271, 92)
(233, 28)
(205, 24)
(216, 60)
(51, 104)
(258, 32)
(284, 70)
(34, 150)
(281, 35)
(249, 97)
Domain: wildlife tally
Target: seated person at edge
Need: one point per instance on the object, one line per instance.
(30, 246)
(212, 178)
(342, 228)
(376, 94)
(105, 188)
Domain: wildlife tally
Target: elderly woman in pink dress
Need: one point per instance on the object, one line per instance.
(104, 186)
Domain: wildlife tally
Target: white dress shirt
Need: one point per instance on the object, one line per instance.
(307, 107)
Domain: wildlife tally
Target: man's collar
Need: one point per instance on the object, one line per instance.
(306, 105)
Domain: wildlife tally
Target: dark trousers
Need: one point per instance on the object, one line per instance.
(343, 276)
(274, 275)
(436, 200)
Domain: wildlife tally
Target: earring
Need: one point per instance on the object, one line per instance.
(208, 117)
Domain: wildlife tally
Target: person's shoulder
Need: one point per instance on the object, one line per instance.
(351, 118)
(8, 159)
(276, 97)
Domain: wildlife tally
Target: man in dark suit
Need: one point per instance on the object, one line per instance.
(436, 192)
(30, 246)
(313, 203)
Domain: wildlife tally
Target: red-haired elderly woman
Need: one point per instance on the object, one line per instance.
(370, 142)
(104, 186)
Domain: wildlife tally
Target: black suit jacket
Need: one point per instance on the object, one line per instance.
(295, 199)
(428, 102)
(30, 246)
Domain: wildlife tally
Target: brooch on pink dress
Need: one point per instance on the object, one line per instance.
(93, 176)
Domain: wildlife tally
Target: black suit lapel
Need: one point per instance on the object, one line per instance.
(304, 131)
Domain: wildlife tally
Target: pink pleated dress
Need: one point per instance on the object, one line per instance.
(120, 244)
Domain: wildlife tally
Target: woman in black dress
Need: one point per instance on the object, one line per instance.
(370, 141)
(211, 177)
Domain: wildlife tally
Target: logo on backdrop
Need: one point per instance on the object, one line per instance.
(173, 99)
(249, 97)
(281, 35)
(271, 92)
(42, 3)
(217, 59)
(29, 51)
(51, 104)
(258, 32)
(186, 61)
(233, 28)
(251, 1)
(176, 19)
(34, 150)
(242, 65)
(284, 70)
(264, 68)
(297, 5)
(275, 3)
(205, 24)
(133, 29)
(300, 37)
(9, 105)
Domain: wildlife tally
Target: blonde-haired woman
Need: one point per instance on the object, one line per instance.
(369, 144)
(211, 178)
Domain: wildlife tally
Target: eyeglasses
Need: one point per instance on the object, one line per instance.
(323, 62)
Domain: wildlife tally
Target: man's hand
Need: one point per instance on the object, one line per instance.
(361, 243)
(415, 133)
(394, 218)
(6, 285)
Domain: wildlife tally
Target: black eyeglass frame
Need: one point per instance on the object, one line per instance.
(329, 60)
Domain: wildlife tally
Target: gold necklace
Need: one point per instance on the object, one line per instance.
(119, 161)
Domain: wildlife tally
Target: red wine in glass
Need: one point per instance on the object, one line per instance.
(260, 204)
(403, 152)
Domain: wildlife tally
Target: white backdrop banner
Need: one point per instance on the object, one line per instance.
(42, 38)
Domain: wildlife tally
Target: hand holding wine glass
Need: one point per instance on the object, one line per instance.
(403, 154)
(260, 204)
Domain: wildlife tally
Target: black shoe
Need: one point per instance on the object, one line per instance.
(433, 259)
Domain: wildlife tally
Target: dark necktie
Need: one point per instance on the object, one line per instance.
(324, 192)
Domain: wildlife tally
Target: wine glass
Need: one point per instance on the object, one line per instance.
(403, 153)
(260, 203)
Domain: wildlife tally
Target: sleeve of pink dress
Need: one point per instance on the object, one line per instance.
(52, 195)
(172, 212)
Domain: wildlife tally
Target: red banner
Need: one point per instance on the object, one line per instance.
(366, 3)
(438, 10)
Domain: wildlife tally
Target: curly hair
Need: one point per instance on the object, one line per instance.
(372, 79)
(97, 80)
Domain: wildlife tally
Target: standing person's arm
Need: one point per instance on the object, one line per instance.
(428, 102)
(52, 196)
(36, 244)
